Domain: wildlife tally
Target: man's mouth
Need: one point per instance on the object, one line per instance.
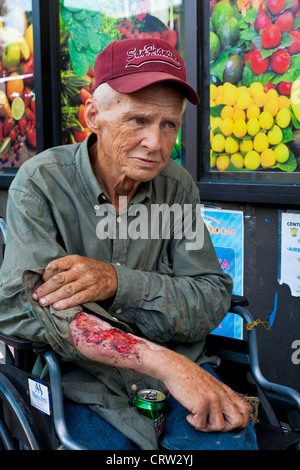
(145, 162)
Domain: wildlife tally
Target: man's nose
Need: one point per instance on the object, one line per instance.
(152, 138)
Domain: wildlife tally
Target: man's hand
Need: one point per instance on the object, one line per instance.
(74, 280)
(213, 405)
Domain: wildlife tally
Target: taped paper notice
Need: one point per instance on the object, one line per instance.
(290, 252)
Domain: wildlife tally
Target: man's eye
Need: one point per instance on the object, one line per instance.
(138, 120)
(170, 125)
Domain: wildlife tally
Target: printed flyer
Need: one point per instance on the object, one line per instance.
(226, 229)
(290, 252)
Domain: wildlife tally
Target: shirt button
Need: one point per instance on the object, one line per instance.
(118, 264)
(118, 219)
(133, 387)
(119, 310)
(103, 197)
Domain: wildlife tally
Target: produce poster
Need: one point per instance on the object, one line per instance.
(254, 86)
(17, 92)
(86, 28)
(226, 229)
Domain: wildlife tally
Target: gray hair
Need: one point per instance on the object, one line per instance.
(104, 95)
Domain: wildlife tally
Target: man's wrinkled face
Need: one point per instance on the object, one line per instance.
(138, 131)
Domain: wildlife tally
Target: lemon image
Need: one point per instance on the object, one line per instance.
(275, 135)
(227, 112)
(253, 126)
(219, 98)
(242, 89)
(255, 88)
(272, 94)
(260, 142)
(231, 145)
(253, 111)
(213, 159)
(237, 160)
(239, 128)
(213, 91)
(230, 94)
(268, 158)
(218, 143)
(271, 107)
(222, 162)
(244, 100)
(260, 99)
(227, 127)
(216, 122)
(266, 120)
(252, 160)
(246, 146)
(283, 102)
(283, 117)
(18, 108)
(238, 113)
(282, 153)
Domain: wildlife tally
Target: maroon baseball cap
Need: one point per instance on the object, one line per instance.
(129, 65)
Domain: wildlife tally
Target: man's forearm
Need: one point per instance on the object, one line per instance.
(99, 341)
(199, 392)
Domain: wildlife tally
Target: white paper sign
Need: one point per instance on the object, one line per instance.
(290, 252)
(39, 396)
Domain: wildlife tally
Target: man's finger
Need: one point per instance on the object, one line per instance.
(69, 290)
(58, 265)
(54, 283)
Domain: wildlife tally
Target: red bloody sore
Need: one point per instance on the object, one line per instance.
(117, 340)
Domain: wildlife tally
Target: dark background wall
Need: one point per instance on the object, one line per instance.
(262, 256)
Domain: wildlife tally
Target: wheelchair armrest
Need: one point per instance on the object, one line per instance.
(15, 342)
(238, 301)
(23, 344)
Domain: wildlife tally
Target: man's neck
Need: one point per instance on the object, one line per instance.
(112, 184)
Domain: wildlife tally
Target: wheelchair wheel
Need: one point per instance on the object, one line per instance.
(18, 430)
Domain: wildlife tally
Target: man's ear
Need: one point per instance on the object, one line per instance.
(92, 115)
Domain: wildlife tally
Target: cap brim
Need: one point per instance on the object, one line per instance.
(137, 81)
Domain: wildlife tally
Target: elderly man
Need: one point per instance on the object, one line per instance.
(125, 309)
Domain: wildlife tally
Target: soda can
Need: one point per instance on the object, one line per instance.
(152, 403)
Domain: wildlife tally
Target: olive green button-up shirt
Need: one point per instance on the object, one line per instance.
(167, 292)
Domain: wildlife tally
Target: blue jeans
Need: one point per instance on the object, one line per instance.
(94, 433)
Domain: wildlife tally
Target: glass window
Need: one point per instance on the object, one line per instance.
(87, 27)
(254, 64)
(17, 93)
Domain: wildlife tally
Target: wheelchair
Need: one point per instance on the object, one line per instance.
(25, 424)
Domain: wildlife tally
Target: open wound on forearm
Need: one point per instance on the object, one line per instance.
(107, 340)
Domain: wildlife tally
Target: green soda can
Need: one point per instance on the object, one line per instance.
(152, 403)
